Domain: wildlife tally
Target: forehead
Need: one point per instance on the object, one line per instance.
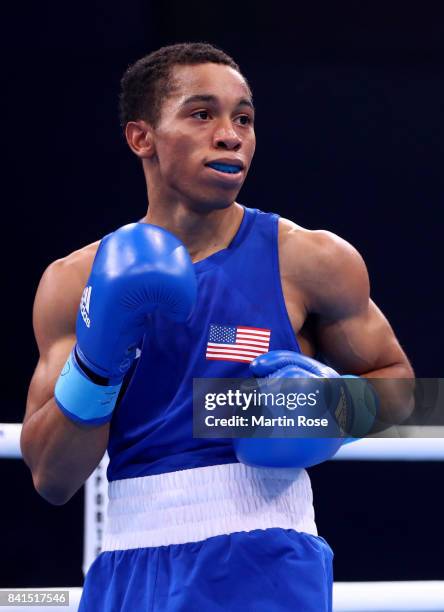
(215, 79)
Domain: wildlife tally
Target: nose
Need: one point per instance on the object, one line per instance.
(226, 137)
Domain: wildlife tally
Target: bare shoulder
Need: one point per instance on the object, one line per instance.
(78, 263)
(328, 269)
(58, 295)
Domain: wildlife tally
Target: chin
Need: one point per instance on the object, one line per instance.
(204, 206)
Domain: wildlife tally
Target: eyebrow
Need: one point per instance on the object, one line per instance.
(211, 98)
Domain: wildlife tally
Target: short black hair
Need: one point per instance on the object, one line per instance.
(146, 83)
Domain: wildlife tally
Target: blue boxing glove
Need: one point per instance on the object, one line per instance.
(137, 269)
(346, 404)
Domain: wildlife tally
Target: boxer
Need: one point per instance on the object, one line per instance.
(202, 286)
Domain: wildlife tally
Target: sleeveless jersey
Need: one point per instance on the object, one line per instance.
(239, 288)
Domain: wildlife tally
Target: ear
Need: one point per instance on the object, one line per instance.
(139, 136)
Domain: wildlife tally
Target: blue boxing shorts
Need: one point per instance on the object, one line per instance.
(226, 538)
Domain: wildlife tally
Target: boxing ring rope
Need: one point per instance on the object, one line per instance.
(417, 596)
(415, 444)
(413, 596)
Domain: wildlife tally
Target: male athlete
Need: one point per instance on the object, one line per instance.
(190, 525)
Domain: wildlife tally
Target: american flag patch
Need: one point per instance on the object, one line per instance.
(237, 343)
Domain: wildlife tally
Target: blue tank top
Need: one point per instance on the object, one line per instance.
(239, 288)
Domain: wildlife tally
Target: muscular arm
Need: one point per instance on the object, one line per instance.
(350, 331)
(60, 454)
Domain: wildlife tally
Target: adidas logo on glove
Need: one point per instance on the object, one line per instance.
(84, 305)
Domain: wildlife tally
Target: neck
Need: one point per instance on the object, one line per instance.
(203, 233)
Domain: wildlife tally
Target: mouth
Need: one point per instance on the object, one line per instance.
(230, 174)
(225, 168)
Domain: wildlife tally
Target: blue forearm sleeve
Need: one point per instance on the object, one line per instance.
(81, 399)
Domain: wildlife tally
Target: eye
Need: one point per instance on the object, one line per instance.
(247, 119)
(202, 112)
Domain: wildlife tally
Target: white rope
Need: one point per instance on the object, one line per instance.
(394, 449)
(10, 440)
(416, 596)
(416, 444)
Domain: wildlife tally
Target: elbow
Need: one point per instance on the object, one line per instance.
(408, 371)
(401, 370)
(407, 386)
(54, 494)
(47, 485)
(397, 395)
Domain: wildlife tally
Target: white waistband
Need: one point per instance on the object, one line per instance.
(199, 503)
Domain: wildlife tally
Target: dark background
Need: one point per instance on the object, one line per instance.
(350, 102)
